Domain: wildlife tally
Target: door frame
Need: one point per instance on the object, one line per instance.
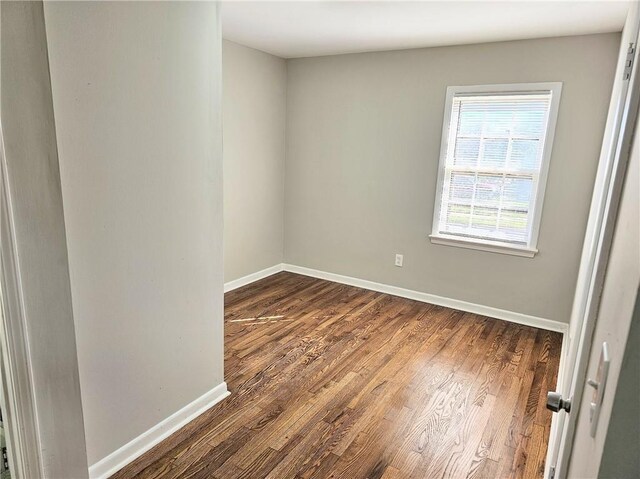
(17, 384)
(614, 157)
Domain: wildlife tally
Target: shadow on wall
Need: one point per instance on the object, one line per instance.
(620, 457)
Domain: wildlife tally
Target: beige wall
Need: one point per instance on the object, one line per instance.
(136, 96)
(615, 314)
(254, 104)
(363, 141)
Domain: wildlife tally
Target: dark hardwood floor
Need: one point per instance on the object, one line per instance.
(332, 381)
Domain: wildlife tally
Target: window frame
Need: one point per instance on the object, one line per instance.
(530, 249)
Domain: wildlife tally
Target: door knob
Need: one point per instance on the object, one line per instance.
(555, 402)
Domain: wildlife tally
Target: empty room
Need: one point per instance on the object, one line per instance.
(320, 239)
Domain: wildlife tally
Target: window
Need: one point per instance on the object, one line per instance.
(496, 145)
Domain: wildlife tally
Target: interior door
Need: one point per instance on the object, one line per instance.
(617, 304)
(607, 189)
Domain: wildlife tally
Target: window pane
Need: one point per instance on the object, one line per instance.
(458, 217)
(485, 219)
(498, 119)
(466, 152)
(470, 121)
(513, 225)
(488, 190)
(461, 189)
(525, 155)
(531, 121)
(494, 154)
(517, 193)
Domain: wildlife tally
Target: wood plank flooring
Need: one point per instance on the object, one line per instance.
(331, 381)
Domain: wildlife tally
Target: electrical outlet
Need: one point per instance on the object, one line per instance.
(399, 259)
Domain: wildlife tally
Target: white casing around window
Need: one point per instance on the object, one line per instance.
(526, 100)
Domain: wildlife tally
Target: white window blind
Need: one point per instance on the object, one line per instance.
(495, 153)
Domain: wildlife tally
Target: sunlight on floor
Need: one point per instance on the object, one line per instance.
(260, 320)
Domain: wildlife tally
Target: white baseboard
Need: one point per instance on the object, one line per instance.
(250, 278)
(145, 441)
(505, 315)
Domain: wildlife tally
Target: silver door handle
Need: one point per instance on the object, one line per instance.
(555, 402)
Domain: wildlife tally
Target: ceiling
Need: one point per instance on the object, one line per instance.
(314, 28)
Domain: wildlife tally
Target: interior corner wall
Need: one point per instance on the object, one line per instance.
(254, 106)
(363, 146)
(136, 97)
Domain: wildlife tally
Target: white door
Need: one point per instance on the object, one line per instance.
(607, 190)
(615, 313)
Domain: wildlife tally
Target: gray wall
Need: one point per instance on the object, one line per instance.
(253, 106)
(136, 96)
(363, 143)
(33, 181)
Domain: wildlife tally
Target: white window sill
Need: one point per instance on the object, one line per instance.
(493, 247)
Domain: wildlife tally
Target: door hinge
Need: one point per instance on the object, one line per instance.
(552, 472)
(628, 62)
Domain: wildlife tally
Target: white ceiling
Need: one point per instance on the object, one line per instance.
(313, 28)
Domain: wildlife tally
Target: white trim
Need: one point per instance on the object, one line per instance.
(481, 245)
(145, 441)
(19, 409)
(250, 278)
(492, 312)
(540, 180)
